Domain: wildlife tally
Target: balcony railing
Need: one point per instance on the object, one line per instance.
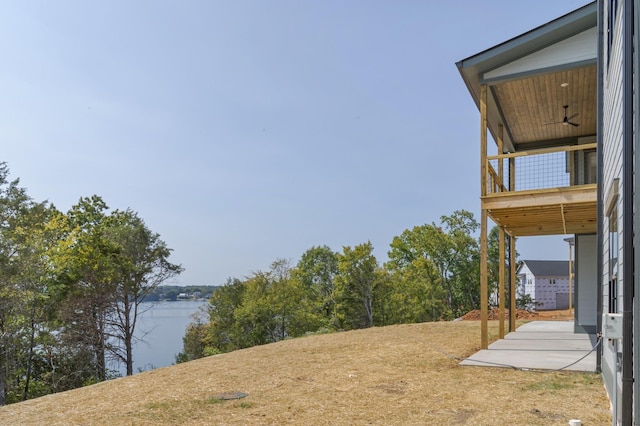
(541, 169)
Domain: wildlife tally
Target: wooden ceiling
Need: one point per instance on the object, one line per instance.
(530, 79)
(532, 107)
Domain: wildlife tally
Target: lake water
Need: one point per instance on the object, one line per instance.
(164, 325)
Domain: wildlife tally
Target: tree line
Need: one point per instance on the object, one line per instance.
(71, 288)
(432, 274)
(170, 293)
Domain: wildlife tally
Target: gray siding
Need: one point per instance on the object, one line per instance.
(586, 294)
(612, 159)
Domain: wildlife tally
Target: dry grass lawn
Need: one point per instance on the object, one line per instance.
(397, 375)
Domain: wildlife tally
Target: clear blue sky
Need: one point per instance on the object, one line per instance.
(246, 131)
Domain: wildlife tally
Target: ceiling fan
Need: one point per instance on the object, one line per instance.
(566, 121)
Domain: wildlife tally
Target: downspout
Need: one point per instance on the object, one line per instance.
(599, 208)
(636, 301)
(627, 215)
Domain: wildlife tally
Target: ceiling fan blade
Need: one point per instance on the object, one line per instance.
(573, 116)
(573, 124)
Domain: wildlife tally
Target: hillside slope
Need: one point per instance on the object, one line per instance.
(401, 374)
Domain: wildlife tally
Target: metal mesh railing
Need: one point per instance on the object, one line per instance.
(549, 168)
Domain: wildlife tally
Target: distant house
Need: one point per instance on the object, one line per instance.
(546, 282)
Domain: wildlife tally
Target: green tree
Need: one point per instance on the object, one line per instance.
(195, 340)
(463, 261)
(87, 261)
(13, 201)
(70, 290)
(287, 300)
(451, 250)
(355, 286)
(142, 261)
(33, 274)
(24, 277)
(493, 264)
(416, 294)
(224, 332)
(267, 307)
(255, 316)
(274, 306)
(316, 271)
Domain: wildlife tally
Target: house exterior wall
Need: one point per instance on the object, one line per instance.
(586, 282)
(600, 281)
(522, 288)
(527, 282)
(547, 289)
(544, 290)
(574, 49)
(612, 137)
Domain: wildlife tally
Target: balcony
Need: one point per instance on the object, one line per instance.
(537, 98)
(549, 191)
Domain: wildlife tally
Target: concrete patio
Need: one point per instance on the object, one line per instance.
(540, 345)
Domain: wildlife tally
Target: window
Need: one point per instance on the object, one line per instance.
(590, 166)
(612, 14)
(613, 260)
(582, 166)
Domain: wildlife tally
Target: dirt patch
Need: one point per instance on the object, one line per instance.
(561, 315)
(521, 314)
(494, 314)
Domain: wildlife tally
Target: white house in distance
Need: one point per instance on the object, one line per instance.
(546, 282)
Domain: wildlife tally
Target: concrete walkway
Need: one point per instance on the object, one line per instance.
(540, 345)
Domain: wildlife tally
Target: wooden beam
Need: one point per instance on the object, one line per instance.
(484, 278)
(544, 222)
(512, 281)
(542, 197)
(571, 278)
(533, 231)
(546, 219)
(500, 143)
(501, 274)
(501, 256)
(581, 147)
(512, 174)
(483, 140)
(484, 295)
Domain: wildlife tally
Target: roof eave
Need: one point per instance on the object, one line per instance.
(538, 38)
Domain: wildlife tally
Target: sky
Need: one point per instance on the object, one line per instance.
(245, 131)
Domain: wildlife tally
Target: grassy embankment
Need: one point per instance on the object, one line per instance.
(406, 375)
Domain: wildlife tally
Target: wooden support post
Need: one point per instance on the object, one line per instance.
(483, 140)
(500, 144)
(501, 255)
(570, 278)
(512, 255)
(512, 283)
(484, 278)
(501, 273)
(512, 174)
